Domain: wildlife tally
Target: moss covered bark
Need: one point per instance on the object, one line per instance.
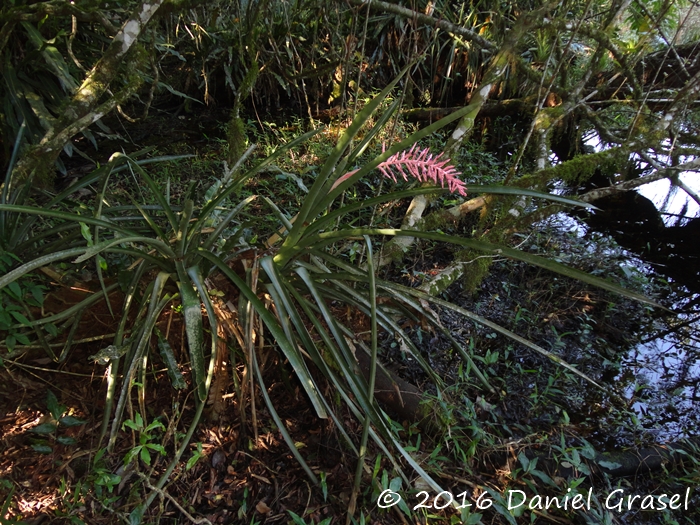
(84, 107)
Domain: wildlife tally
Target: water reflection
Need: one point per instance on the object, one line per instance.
(663, 377)
(660, 375)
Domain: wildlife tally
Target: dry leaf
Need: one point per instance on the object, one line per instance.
(262, 507)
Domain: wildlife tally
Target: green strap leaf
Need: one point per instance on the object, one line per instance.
(483, 246)
(104, 245)
(194, 328)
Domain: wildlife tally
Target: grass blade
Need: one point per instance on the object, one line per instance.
(24, 269)
(91, 251)
(280, 424)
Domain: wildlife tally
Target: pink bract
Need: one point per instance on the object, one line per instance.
(420, 165)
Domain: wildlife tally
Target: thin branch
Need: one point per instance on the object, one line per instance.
(163, 494)
(692, 193)
(468, 34)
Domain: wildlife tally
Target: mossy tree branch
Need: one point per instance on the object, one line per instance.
(81, 110)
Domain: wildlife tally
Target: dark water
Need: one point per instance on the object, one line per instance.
(661, 374)
(662, 379)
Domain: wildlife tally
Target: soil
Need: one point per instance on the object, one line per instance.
(238, 477)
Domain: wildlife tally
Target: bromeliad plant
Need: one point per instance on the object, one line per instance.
(176, 244)
(183, 245)
(304, 276)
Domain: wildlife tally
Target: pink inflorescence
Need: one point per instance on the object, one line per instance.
(424, 167)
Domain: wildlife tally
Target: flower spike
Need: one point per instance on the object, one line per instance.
(424, 167)
(420, 165)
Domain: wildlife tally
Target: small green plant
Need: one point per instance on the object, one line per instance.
(146, 435)
(6, 506)
(15, 301)
(196, 456)
(72, 501)
(51, 429)
(243, 508)
(102, 477)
